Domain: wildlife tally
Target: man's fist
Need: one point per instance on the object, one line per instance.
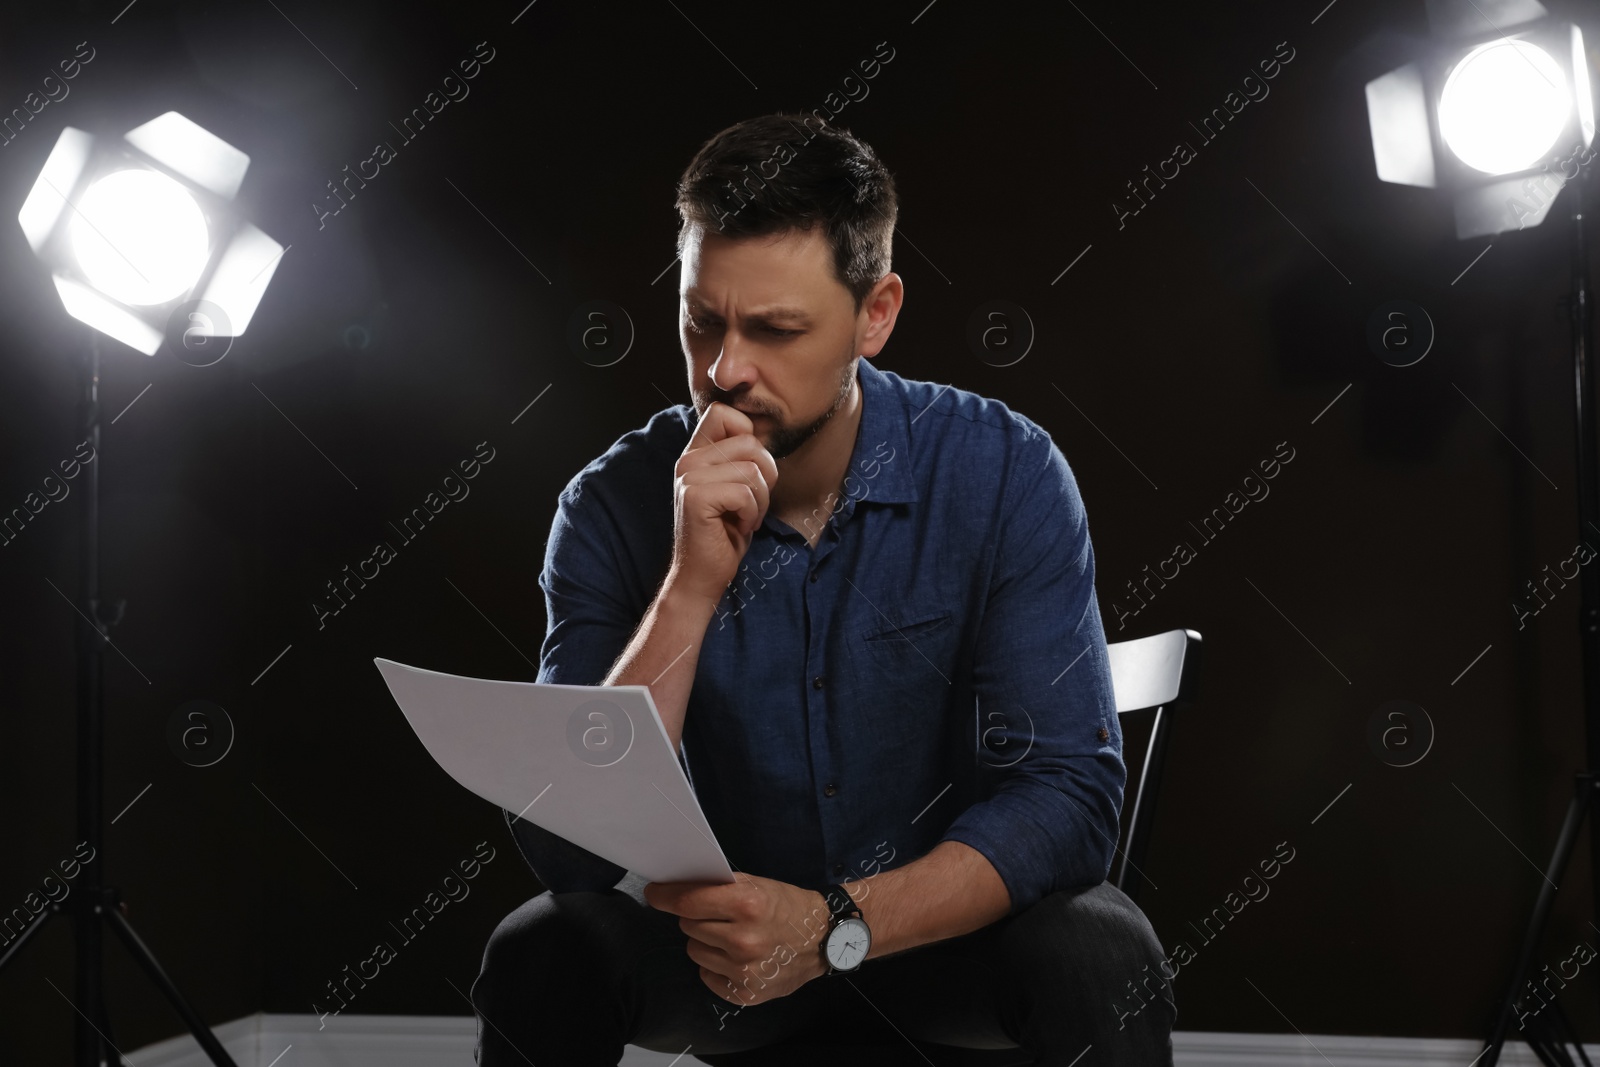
(755, 939)
(721, 489)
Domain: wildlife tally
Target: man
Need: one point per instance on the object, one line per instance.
(865, 609)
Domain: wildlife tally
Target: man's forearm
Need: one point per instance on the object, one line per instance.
(953, 890)
(665, 651)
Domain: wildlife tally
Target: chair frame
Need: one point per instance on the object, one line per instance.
(1159, 651)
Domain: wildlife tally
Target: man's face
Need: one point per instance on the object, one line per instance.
(769, 330)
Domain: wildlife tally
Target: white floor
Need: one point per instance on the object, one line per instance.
(447, 1041)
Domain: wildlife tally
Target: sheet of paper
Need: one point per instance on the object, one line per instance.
(590, 763)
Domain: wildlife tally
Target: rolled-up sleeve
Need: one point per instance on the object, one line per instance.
(1043, 683)
(587, 627)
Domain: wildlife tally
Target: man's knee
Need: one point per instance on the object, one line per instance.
(1096, 941)
(548, 937)
(549, 979)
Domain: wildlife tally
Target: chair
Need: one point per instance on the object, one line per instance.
(1159, 672)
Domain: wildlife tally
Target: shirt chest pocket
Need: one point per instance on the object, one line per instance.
(911, 644)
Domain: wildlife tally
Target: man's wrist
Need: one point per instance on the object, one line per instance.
(679, 597)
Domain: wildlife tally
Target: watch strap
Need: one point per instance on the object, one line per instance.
(840, 904)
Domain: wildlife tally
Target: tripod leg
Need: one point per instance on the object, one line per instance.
(27, 933)
(197, 1026)
(1562, 1026)
(1551, 1054)
(1554, 1050)
(95, 1047)
(1583, 794)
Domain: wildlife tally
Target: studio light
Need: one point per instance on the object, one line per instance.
(142, 242)
(1494, 112)
(137, 229)
(1498, 113)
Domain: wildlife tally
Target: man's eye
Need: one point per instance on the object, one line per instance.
(700, 325)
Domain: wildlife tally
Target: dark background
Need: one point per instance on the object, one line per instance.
(407, 330)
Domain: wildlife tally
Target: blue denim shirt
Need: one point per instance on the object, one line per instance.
(934, 669)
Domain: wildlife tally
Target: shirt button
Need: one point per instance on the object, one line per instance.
(829, 789)
(816, 683)
(838, 868)
(813, 576)
(1103, 734)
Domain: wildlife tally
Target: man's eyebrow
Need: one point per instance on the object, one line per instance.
(776, 313)
(781, 314)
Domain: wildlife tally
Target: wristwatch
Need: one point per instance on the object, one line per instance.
(848, 939)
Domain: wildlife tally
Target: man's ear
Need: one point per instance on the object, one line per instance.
(886, 298)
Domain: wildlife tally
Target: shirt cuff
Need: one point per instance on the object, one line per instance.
(1034, 856)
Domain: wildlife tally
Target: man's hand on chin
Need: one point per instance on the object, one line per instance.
(755, 939)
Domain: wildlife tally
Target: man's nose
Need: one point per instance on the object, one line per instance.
(732, 366)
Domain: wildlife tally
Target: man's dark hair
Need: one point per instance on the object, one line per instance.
(783, 172)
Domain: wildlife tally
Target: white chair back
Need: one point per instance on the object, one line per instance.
(1146, 672)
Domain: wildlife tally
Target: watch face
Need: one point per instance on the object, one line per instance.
(847, 944)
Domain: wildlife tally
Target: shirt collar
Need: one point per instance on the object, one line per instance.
(882, 454)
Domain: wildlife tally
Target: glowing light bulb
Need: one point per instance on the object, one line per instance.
(1503, 106)
(140, 237)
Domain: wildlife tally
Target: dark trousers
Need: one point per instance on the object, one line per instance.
(569, 979)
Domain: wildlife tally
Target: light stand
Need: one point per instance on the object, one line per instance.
(1550, 1031)
(95, 901)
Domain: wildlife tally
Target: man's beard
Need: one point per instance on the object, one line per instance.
(786, 440)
